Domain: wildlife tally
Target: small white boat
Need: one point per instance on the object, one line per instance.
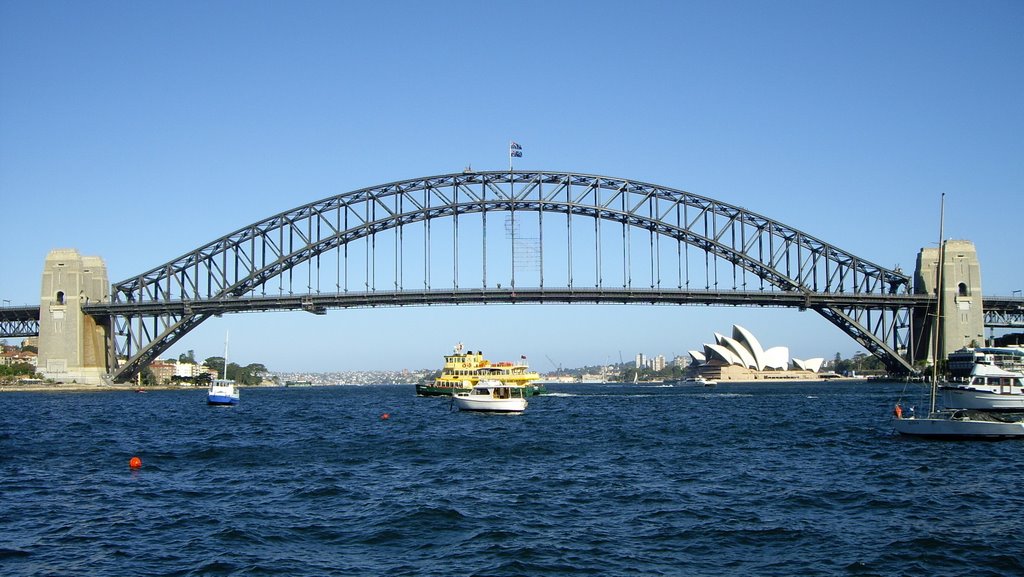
(222, 392)
(698, 380)
(990, 388)
(492, 397)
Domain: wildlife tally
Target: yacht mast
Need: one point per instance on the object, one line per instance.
(938, 304)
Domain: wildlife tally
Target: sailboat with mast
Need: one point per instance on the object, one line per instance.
(952, 423)
(223, 391)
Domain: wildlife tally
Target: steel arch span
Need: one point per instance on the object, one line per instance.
(511, 236)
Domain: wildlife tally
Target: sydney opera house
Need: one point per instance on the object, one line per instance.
(742, 358)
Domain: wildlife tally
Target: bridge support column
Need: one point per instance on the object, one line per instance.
(72, 345)
(963, 318)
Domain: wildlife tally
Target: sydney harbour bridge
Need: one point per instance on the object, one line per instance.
(510, 237)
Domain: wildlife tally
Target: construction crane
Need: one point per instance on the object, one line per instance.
(557, 366)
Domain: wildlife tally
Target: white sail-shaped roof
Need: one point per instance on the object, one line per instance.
(698, 357)
(813, 365)
(776, 358)
(751, 344)
(741, 351)
(721, 353)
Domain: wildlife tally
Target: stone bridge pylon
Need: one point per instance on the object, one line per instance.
(73, 345)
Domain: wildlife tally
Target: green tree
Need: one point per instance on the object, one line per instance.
(217, 364)
(17, 370)
(251, 374)
(189, 357)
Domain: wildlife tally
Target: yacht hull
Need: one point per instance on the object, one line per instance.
(949, 427)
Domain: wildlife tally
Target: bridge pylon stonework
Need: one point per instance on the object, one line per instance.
(73, 346)
(961, 311)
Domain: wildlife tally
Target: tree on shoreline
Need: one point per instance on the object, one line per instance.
(10, 373)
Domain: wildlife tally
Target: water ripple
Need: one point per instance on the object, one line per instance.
(591, 480)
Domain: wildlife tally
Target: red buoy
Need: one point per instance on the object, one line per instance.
(135, 463)
(385, 416)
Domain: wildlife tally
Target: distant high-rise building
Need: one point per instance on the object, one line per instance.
(641, 361)
(659, 363)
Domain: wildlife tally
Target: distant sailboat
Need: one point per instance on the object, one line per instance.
(952, 423)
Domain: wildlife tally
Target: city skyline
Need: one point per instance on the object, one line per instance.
(138, 132)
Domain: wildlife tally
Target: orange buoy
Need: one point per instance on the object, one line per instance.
(385, 416)
(135, 463)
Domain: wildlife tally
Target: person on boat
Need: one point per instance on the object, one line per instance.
(898, 411)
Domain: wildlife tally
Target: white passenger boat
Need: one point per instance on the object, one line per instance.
(990, 388)
(492, 397)
(698, 380)
(222, 392)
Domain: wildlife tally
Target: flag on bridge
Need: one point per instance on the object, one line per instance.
(514, 150)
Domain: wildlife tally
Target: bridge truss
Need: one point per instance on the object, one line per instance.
(506, 237)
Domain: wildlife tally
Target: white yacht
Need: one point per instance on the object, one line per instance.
(491, 397)
(990, 388)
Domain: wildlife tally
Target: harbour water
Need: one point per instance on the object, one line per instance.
(788, 479)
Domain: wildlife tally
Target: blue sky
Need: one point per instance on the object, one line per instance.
(137, 131)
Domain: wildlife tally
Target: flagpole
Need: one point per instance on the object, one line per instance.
(512, 215)
(512, 152)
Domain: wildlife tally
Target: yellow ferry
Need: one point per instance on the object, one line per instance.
(463, 370)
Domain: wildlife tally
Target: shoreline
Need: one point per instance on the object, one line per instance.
(83, 388)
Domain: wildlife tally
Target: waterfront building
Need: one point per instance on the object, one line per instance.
(742, 358)
(162, 371)
(12, 356)
(962, 362)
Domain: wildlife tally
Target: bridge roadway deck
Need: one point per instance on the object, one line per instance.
(1001, 312)
(320, 302)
